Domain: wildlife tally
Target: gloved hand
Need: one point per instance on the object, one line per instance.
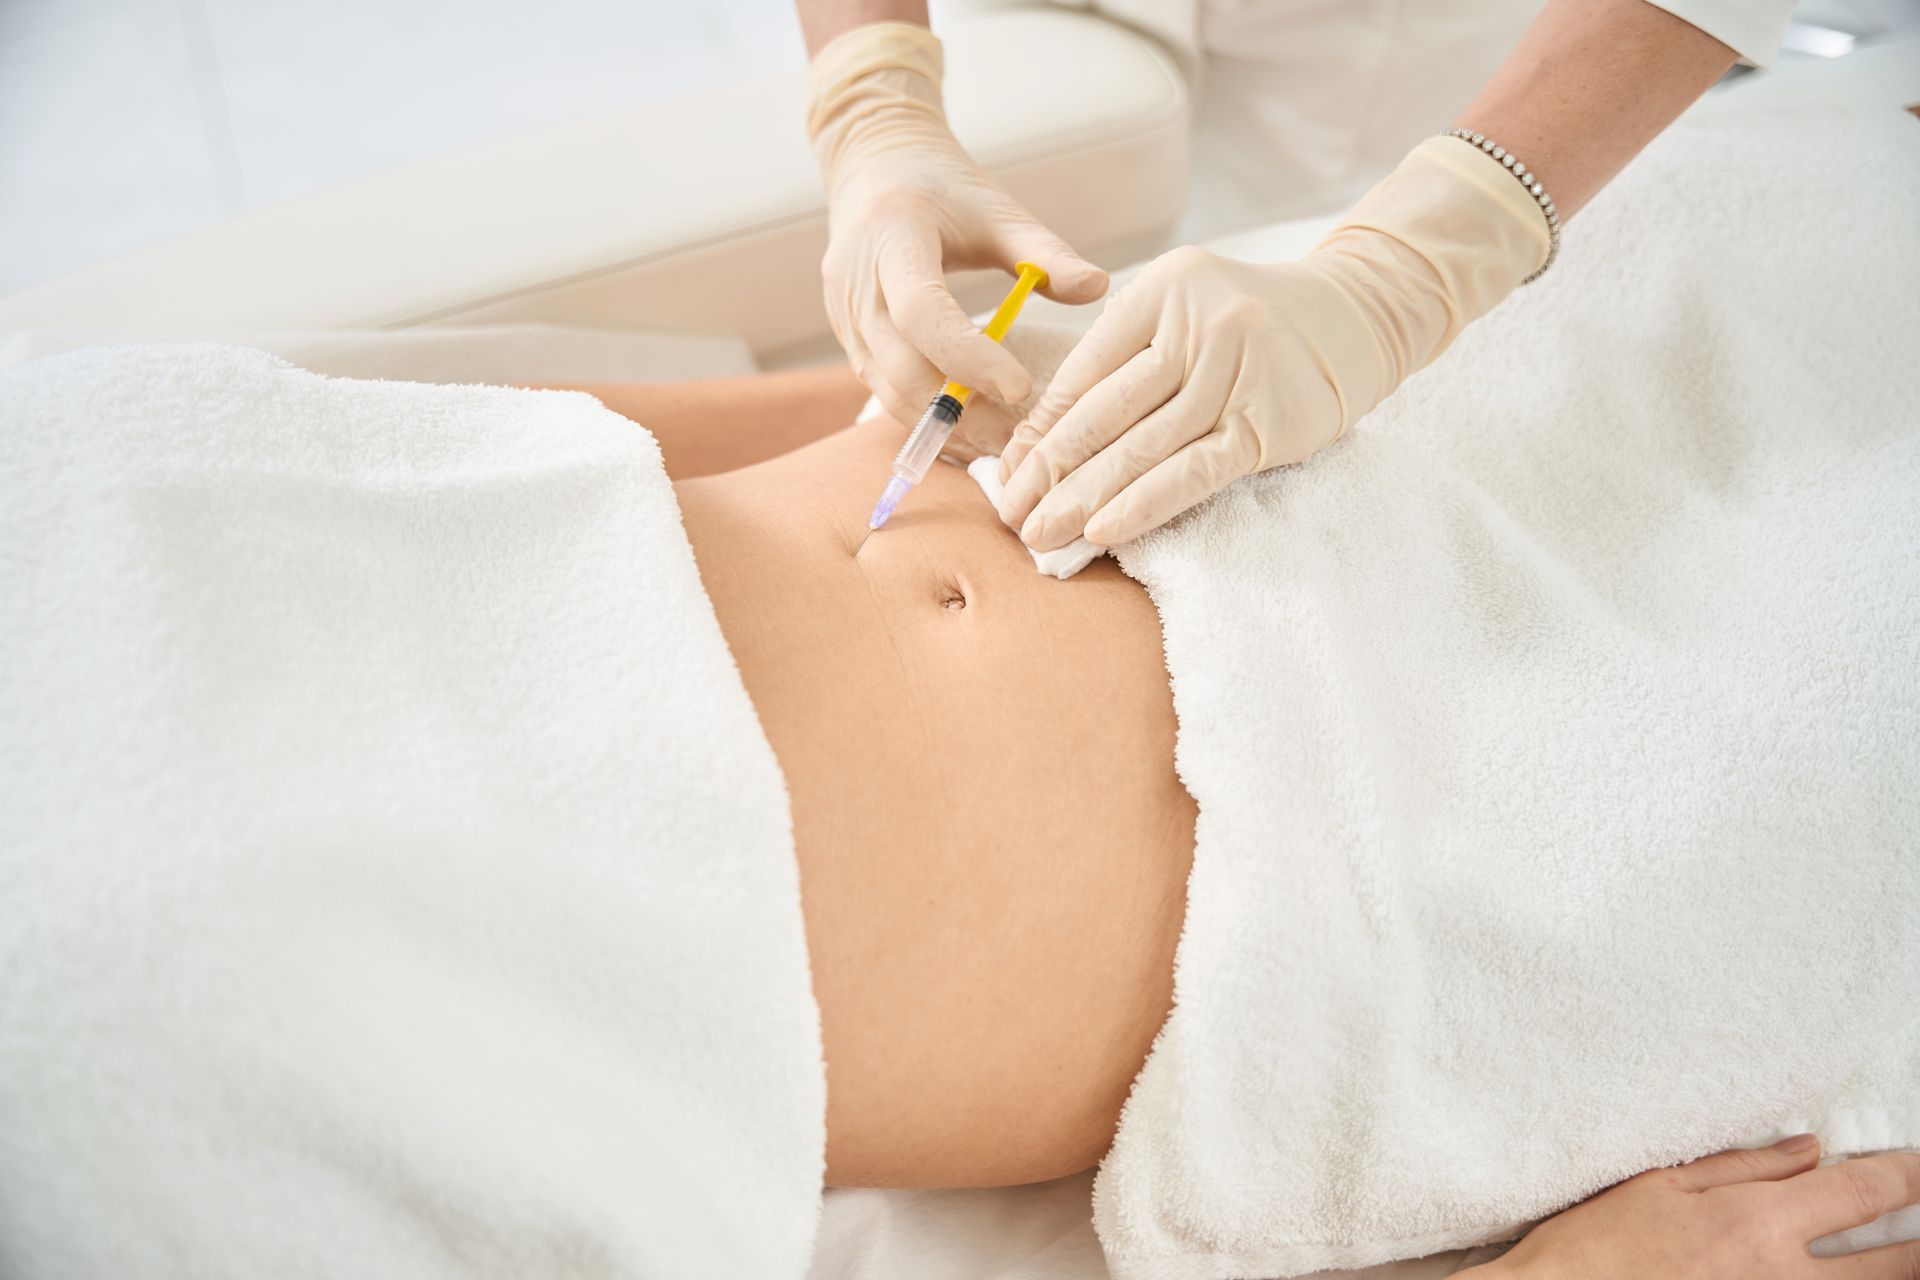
(905, 205)
(1204, 369)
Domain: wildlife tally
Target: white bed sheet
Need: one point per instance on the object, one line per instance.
(1038, 1232)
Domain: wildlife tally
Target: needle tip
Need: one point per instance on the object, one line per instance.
(862, 542)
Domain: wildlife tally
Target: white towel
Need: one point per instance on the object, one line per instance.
(396, 882)
(1556, 740)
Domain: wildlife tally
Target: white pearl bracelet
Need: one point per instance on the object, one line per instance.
(1528, 180)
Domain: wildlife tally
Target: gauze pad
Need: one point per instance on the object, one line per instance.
(1063, 562)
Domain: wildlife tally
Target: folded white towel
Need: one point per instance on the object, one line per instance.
(396, 880)
(1555, 738)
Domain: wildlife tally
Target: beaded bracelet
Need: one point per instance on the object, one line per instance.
(1528, 180)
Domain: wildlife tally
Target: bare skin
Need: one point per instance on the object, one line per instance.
(1589, 86)
(992, 943)
(721, 424)
(992, 960)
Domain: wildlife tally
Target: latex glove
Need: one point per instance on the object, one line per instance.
(1204, 369)
(905, 205)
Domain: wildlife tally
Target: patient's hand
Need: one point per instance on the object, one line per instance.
(1738, 1215)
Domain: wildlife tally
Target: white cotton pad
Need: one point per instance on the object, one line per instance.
(1061, 563)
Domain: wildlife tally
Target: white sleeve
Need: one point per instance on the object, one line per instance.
(1751, 28)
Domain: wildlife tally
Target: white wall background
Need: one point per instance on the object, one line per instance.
(126, 121)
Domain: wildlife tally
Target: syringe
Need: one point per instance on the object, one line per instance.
(929, 435)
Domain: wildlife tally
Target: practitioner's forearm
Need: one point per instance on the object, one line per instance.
(1590, 84)
(822, 20)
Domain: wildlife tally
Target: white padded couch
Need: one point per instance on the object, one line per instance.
(699, 215)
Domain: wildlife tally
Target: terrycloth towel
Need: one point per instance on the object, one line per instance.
(396, 880)
(1556, 740)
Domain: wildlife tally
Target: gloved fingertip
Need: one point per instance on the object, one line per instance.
(984, 365)
(1018, 497)
(1073, 280)
(1000, 510)
(1043, 534)
(1102, 532)
(1110, 526)
(1012, 388)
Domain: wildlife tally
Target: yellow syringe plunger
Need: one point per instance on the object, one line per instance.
(1031, 278)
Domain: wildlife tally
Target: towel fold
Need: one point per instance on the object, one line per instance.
(1555, 738)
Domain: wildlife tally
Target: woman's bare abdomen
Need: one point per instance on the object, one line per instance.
(993, 844)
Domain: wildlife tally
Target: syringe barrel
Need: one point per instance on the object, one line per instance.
(928, 437)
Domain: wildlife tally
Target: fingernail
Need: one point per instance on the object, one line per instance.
(1797, 1143)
